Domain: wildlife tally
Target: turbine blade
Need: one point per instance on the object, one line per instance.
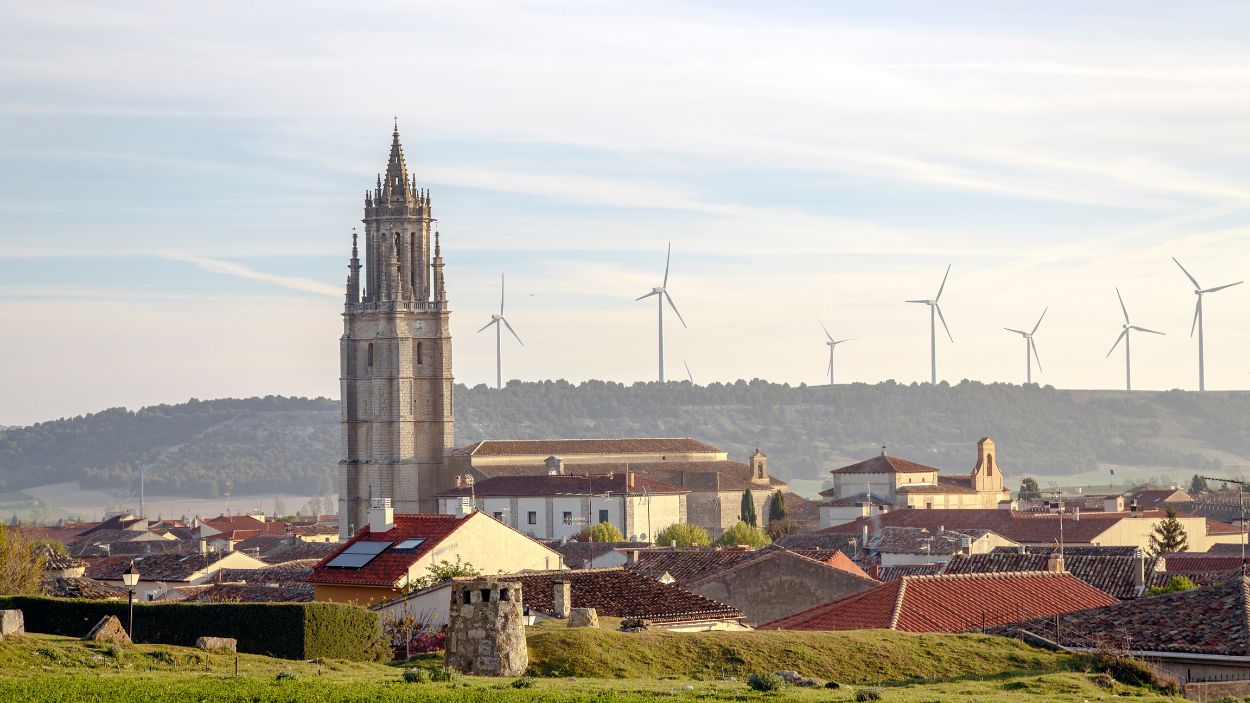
(1039, 322)
(1187, 275)
(1117, 294)
(1230, 285)
(943, 286)
(848, 339)
(1123, 334)
(1197, 309)
(943, 319)
(1020, 332)
(826, 329)
(488, 324)
(1143, 329)
(917, 301)
(514, 334)
(644, 297)
(501, 294)
(667, 260)
(674, 307)
(688, 374)
(1033, 346)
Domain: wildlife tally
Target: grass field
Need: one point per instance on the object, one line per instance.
(42, 668)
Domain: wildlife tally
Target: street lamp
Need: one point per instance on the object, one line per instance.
(131, 579)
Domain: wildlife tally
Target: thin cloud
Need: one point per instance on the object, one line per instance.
(230, 268)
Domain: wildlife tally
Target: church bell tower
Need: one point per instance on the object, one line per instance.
(395, 355)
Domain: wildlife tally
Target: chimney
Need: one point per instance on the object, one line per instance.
(459, 481)
(631, 557)
(203, 546)
(629, 479)
(874, 571)
(941, 529)
(1076, 513)
(563, 599)
(1132, 507)
(555, 466)
(863, 542)
(1055, 562)
(1139, 568)
(672, 544)
(381, 515)
(465, 507)
(965, 545)
(1113, 504)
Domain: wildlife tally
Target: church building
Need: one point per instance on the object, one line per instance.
(394, 355)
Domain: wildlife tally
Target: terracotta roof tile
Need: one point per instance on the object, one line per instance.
(884, 464)
(1114, 575)
(157, 567)
(573, 447)
(918, 540)
(1208, 620)
(894, 573)
(252, 593)
(960, 603)
(621, 593)
(1014, 525)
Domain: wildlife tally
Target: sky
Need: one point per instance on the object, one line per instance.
(178, 185)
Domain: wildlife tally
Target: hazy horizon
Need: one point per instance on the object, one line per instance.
(180, 185)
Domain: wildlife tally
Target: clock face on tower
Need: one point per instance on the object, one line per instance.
(418, 327)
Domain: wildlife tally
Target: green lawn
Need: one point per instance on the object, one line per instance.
(48, 668)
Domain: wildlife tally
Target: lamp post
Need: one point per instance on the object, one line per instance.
(131, 579)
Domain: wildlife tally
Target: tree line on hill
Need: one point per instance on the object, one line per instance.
(280, 444)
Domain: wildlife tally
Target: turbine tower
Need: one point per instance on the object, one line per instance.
(1030, 346)
(935, 314)
(661, 293)
(1128, 359)
(1200, 291)
(495, 320)
(831, 344)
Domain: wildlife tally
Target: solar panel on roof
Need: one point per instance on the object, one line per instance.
(351, 561)
(366, 548)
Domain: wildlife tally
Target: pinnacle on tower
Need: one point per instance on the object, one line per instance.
(396, 169)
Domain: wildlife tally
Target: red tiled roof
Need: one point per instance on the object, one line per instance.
(252, 593)
(1209, 620)
(572, 447)
(686, 563)
(157, 567)
(1014, 525)
(918, 540)
(562, 484)
(962, 603)
(894, 573)
(390, 566)
(621, 593)
(1193, 563)
(884, 464)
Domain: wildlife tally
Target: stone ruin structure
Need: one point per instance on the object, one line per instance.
(486, 629)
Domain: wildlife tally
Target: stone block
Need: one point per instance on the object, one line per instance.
(217, 644)
(109, 629)
(583, 617)
(12, 624)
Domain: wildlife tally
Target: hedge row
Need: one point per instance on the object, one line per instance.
(286, 630)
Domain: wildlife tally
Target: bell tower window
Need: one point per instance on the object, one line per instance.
(370, 355)
(419, 355)
(989, 464)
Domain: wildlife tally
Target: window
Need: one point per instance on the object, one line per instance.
(531, 517)
(989, 464)
(410, 544)
(371, 354)
(418, 354)
(603, 516)
(568, 518)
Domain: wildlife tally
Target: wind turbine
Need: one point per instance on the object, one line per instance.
(1200, 291)
(1128, 360)
(495, 320)
(935, 313)
(1030, 346)
(661, 293)
(688, 374)
(831, 344)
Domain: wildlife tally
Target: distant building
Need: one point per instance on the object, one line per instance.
(164, 572)
(884, 483)
(557, 505)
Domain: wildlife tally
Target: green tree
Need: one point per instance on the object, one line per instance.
(1176, 583)
(777, 507)
(780, 528)
(279, 505)
(748, 508)
(1029, 489)
(21, 563)
(684, 535)
(1198, 484)
(1169, 535)
(603, 532)
(744, 534)
(442, 571)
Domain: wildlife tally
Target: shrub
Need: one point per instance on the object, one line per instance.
(684, 535)
(443, 673)
(743, 533)
(868, 694)
(286, 630)
(764, 682)
(523, 682)
(603, 532)
(416, 675)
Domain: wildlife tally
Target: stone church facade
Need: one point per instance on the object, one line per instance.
(395, 355)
